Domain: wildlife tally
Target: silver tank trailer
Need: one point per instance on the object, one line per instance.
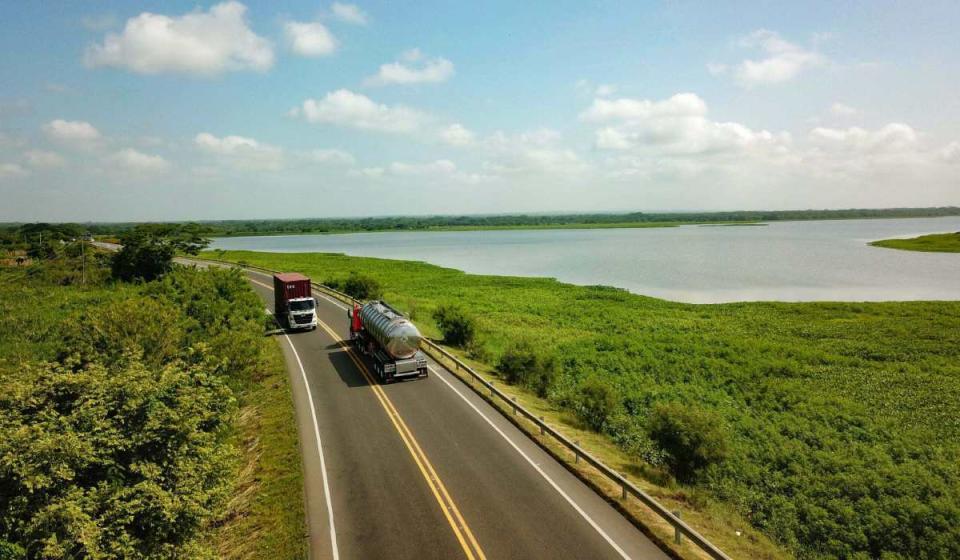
(398, 336)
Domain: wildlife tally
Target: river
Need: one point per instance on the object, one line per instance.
(783, 261)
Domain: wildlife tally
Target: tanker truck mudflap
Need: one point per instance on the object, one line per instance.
(390, 339)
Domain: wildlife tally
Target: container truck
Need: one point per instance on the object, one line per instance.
(384, 334)
(293, 302)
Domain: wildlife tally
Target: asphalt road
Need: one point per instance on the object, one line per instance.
(426, 469)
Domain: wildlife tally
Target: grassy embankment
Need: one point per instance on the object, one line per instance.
(118, 340)
(839, 418)
(934, 243)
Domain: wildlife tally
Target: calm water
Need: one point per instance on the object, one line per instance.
(788, 261)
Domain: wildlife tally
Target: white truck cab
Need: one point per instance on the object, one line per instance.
(302, 313)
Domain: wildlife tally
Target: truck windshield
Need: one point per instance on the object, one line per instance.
(305, 305)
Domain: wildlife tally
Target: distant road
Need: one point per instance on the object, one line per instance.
(426, 469)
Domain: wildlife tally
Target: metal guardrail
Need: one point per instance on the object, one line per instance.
(627, 488)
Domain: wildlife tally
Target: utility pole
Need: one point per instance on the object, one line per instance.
(83, 262)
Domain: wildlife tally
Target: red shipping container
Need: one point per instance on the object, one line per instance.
(287, 286)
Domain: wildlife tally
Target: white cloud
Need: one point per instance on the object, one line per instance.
(203, 43)
(241, 151)
(457, 135)
(950, 153)
(309, 39)
(346, 108)
(893, 137)
(75, 132)
(441, 170)
(679, 105)
(438, 167)
(41, 158)
(677, 125)
(842, 110)
(12, 171)
(349, 13)
(782, 61)
(717, 69)
(333, 156)
(605, 90)
(133, 161)
(414, 69)
(532, 152)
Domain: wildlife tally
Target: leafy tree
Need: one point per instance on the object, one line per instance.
(458, 328)
(362, 287)
(148, 250)
(524, 365)
(692, 438)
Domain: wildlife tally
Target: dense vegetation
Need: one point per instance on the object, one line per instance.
(832, 427)
(19, 235)
(935, 243)
(119, 412)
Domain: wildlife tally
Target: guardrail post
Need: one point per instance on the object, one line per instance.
(542, 430)
(677, 535)
(491, 388)
(514, 399)
(576, 454)
(623, 490)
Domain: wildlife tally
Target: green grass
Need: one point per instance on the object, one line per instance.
(934, 243)
(841, 416)
(264, 516)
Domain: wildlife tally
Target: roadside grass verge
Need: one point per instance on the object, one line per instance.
(264, 518)
(934, 243)
(839, 418)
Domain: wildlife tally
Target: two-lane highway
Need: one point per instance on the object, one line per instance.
(427, 469)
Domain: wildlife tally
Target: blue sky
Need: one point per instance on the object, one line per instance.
(183, 110)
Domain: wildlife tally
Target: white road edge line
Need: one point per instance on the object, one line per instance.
(536, 467)
(323, 464)
(533, 464)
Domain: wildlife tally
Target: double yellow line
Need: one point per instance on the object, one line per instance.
(460, 528)
(447, 505)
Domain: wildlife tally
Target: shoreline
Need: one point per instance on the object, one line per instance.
(586, 226)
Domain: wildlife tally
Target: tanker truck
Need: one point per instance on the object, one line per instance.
(384, 334)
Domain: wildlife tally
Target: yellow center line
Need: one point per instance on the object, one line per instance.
(434, 481)
(439, 490)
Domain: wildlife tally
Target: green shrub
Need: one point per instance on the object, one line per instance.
(362, 287)
(112, 463)
(595, 403)
(131, 325)
(458, 328)
(9, 551)
(521, 364)
(691, 438)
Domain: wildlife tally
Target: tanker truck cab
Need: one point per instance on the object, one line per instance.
(390, 339)
(293, 303)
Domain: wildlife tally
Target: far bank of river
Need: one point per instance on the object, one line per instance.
(785, 261)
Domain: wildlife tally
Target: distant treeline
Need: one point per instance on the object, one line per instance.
(412, 223)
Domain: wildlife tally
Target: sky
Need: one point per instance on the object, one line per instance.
(134, 111)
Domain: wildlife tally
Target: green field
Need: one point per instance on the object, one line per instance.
(934, 243)
(91, 380)
(840, 417)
